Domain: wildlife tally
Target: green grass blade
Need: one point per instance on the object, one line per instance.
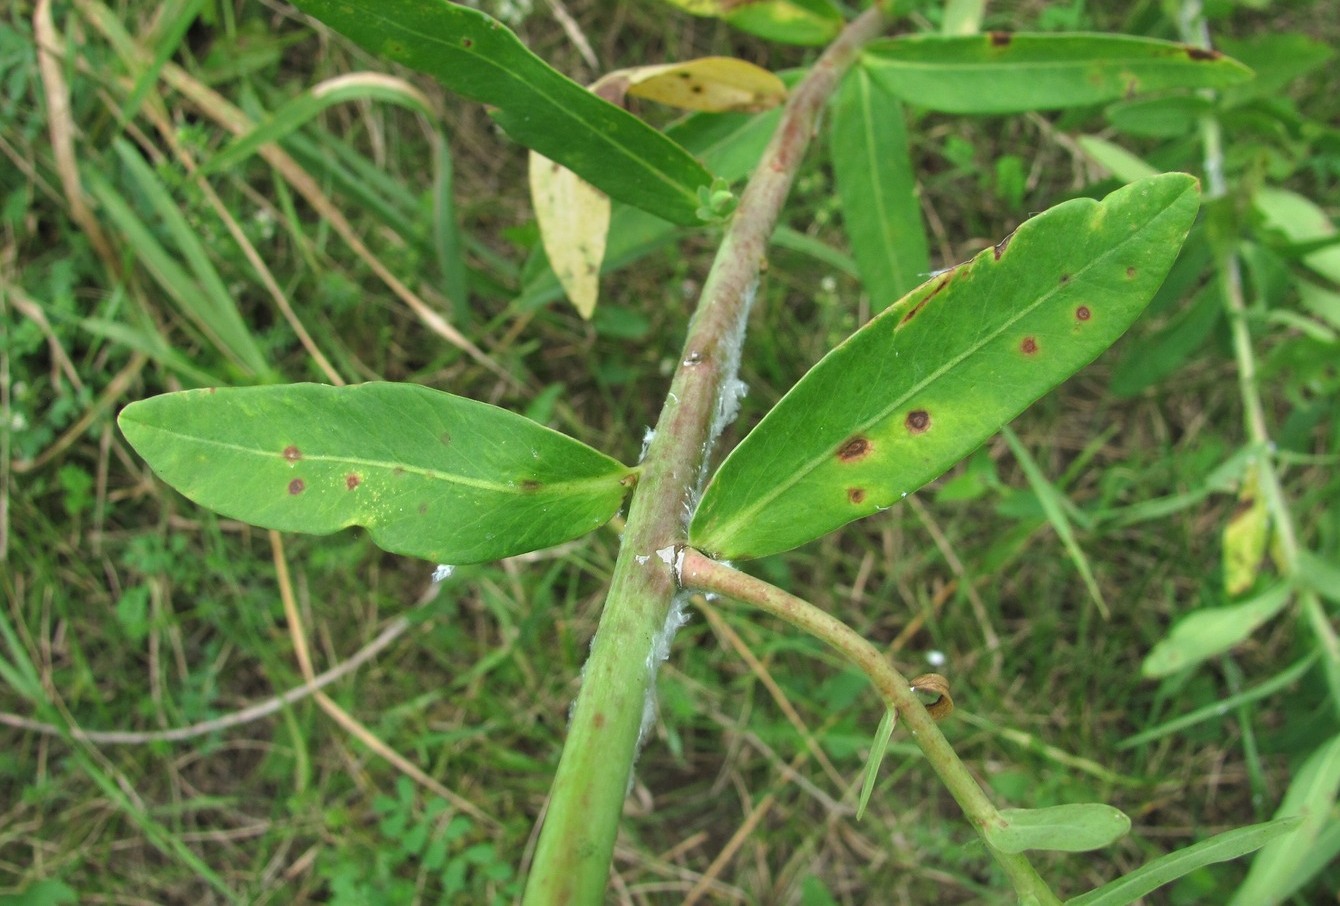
(200, 294)
(873, 170)
(179, 14)
(878, 747)
(925, 382)
(1218, 709)
(1166, 869)
(1054, 505)
(298, 112)
(1311, 797)
(536, 105)
(428, 474)
(1000, 72)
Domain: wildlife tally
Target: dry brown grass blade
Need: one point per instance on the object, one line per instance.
(338, 714)
(60, 126)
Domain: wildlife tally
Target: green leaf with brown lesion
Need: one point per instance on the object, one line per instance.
(937, 373)
(428, 474)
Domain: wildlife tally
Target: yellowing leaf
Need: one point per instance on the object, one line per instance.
(711, 84)
(574, 219)
(1245, 538)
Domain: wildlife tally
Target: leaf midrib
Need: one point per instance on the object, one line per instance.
(434, 474)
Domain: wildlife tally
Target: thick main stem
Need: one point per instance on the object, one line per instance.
(576, 842)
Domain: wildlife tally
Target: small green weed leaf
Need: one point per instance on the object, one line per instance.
(542, 109)
(428, 474)
(44, 893)
(878, 746)
(1166, 869)
(1300, 220)
(936, 374)
(1214, 630)
(1000, 72)
(873, 171)
(1074, 828)
(1275, 873)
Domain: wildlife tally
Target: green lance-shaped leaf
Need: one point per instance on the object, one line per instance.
(541, 108)
(428, 474)
(1000, 72)
(873, 170)
(1074, 828)
(1166, 869)
(936, 374)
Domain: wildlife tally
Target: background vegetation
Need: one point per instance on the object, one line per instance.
(127, 609)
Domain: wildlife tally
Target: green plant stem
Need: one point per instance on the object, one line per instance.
(699, 571)
(576, 842)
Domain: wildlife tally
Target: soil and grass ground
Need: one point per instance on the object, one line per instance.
(127, 610)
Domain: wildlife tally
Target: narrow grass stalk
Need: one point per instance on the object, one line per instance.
(576, 842)
(702, 572)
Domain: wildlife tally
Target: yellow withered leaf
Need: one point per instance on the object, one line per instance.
(1245, 537)
(711, 84)
(574, 220)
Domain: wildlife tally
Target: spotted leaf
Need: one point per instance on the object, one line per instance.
(937, 373)
(428, 474)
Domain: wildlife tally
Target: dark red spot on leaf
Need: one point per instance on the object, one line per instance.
(855, 449)
(1000, 38)
(918, 421)
(1028, 346)
(1082, 313)
(352, 481)
(297, 486)
(467, 43)
(1200, 53)
(856, 495)
(292, 453)
(915, 309)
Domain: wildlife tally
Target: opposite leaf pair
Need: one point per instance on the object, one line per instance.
(452, 480)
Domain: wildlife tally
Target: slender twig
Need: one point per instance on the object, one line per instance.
(702, 572)
(573, 855)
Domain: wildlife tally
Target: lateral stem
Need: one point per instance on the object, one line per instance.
(699, 571)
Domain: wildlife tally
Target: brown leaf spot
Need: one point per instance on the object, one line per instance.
(297, 486)
(1029, 346)
(292, 453)
(530, 485)
(445, 438)
(213, 390)
(1082, 313)
(1065, 278)
(915, 309)
(1000, 246)
(918, 421)
(855, 449)
(352, 481)
(1000, 38)
(467, 43)
(1200, 53)
(1130, 273)
(598, 720)
(398, 472)
(423, 509)
(856, 495)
